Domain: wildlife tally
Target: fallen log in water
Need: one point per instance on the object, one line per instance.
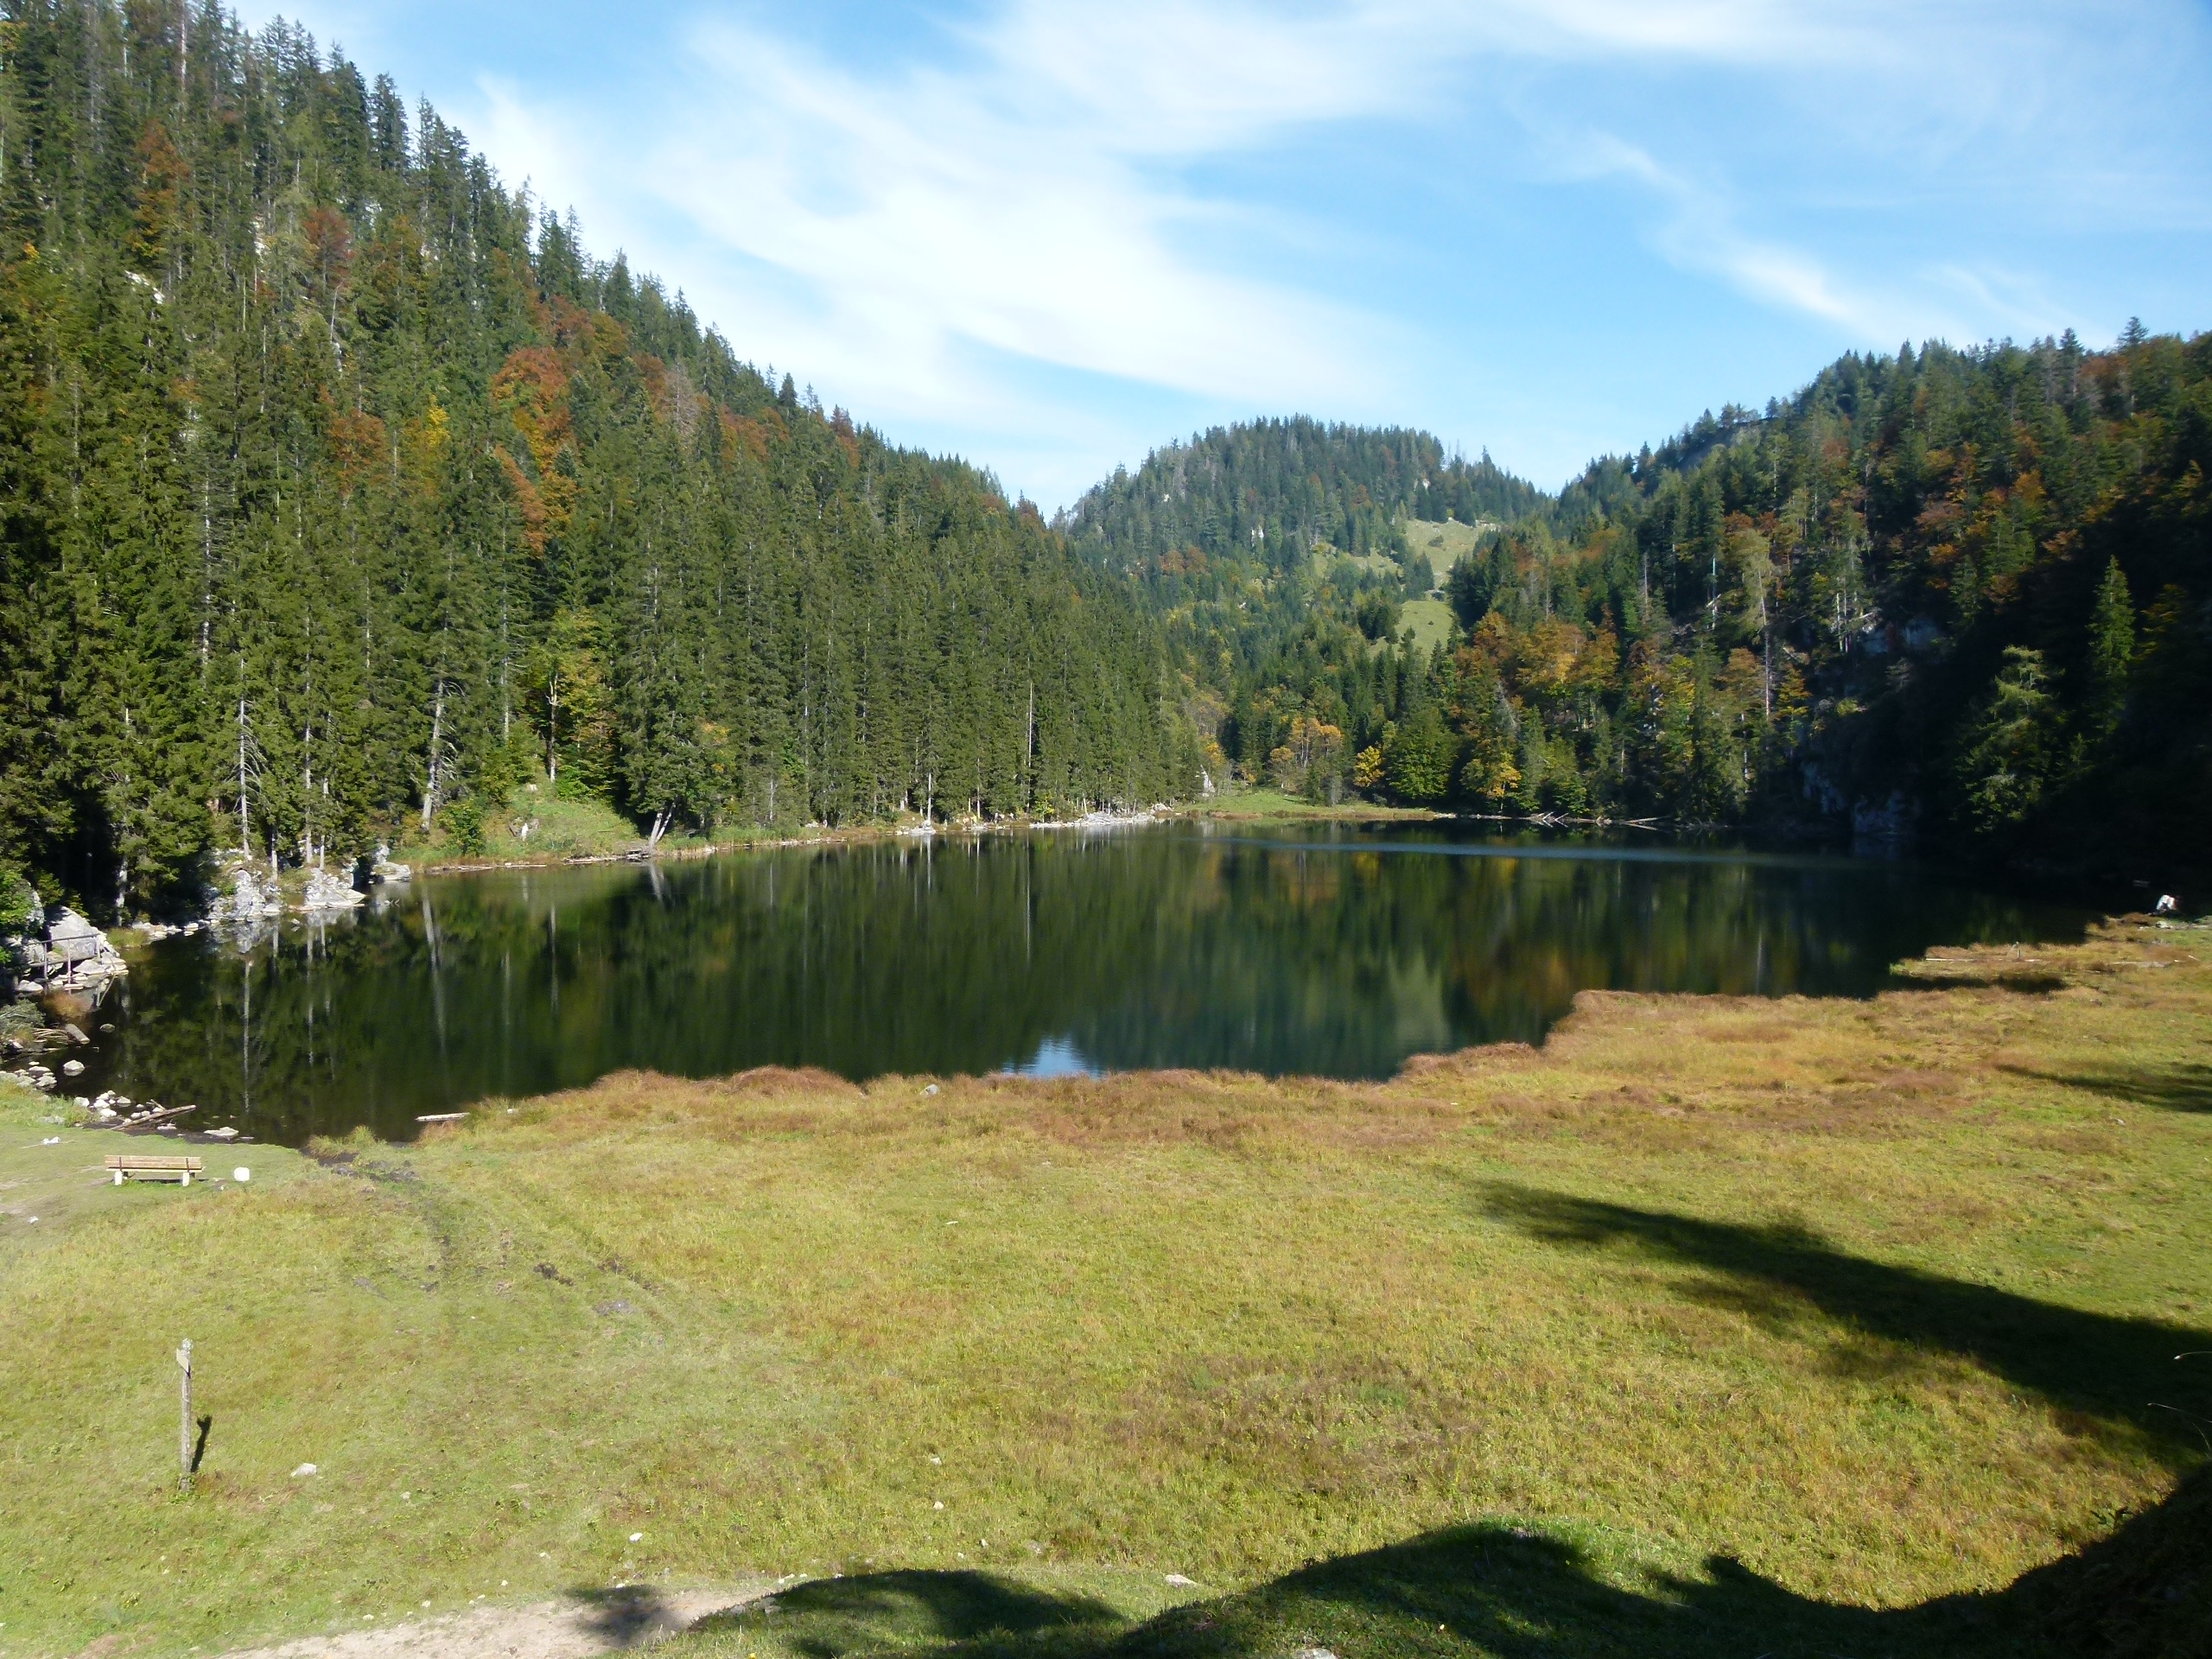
(145, 1120)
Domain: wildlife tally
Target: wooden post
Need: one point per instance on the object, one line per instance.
(184, 1424)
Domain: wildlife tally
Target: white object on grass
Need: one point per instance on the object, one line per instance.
(241, 1174)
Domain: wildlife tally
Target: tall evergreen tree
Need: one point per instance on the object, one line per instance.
(339, 493)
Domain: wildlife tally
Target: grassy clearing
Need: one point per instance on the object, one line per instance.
(1326, 557)
(1760, 1318)
(1239, 804)
(557, 827)
(1445, 541)
(1429, 621)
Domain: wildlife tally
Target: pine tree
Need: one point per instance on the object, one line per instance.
(343, 492)
(2112, 647)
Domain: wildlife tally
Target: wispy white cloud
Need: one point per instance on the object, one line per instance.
(1031, 196)
(1045, 187)
(1025, 203)
(950, 207)
(1699, 229)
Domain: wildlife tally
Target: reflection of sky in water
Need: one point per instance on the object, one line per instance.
(1056, 1057)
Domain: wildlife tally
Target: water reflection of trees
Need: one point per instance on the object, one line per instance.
(1143, 950)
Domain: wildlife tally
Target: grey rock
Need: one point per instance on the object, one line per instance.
(327, 893)
(76, 954)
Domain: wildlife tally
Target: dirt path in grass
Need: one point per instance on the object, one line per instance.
(572, 1628)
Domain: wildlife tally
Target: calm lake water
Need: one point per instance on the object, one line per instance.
(1335, 949)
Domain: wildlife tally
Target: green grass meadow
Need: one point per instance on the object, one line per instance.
(1429, 621)
(1715, 1326)
(1445, 542)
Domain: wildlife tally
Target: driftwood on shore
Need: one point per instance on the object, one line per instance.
(148, 1119)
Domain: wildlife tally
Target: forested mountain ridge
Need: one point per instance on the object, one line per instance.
(1285, 488)
(1273, 551)
(339, 492)
(1965, 591)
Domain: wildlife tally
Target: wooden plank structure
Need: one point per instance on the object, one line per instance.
(131, 1166)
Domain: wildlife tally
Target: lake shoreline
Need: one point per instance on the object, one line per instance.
(866, 834)
(1912, 1266)
(1285, 945)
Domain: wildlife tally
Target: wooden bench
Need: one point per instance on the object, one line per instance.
(131, 1166)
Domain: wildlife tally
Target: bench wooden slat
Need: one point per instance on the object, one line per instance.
(129, 1161)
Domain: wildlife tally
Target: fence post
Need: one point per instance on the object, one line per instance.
(184, 1423)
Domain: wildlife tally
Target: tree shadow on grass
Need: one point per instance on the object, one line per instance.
(1504, 1592)
(1495, 1590)
(2020, 983)
(887, 1611)
(2144, 1593)
(2175, 1088)
(629, 1617)
(2112, 1372)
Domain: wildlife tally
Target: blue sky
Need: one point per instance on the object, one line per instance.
(1050, 237)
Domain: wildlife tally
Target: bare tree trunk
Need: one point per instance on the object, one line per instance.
(307, 792)
(553, 726)
(437, 738)
(206, 573)
(246, 827)
(507, 656)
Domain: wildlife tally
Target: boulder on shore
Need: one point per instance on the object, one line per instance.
(327, 893)
(78, 954)
(248, 901)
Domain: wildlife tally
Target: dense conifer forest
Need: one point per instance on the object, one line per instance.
(341, 492)
(1275, 554)
(1961, 594)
